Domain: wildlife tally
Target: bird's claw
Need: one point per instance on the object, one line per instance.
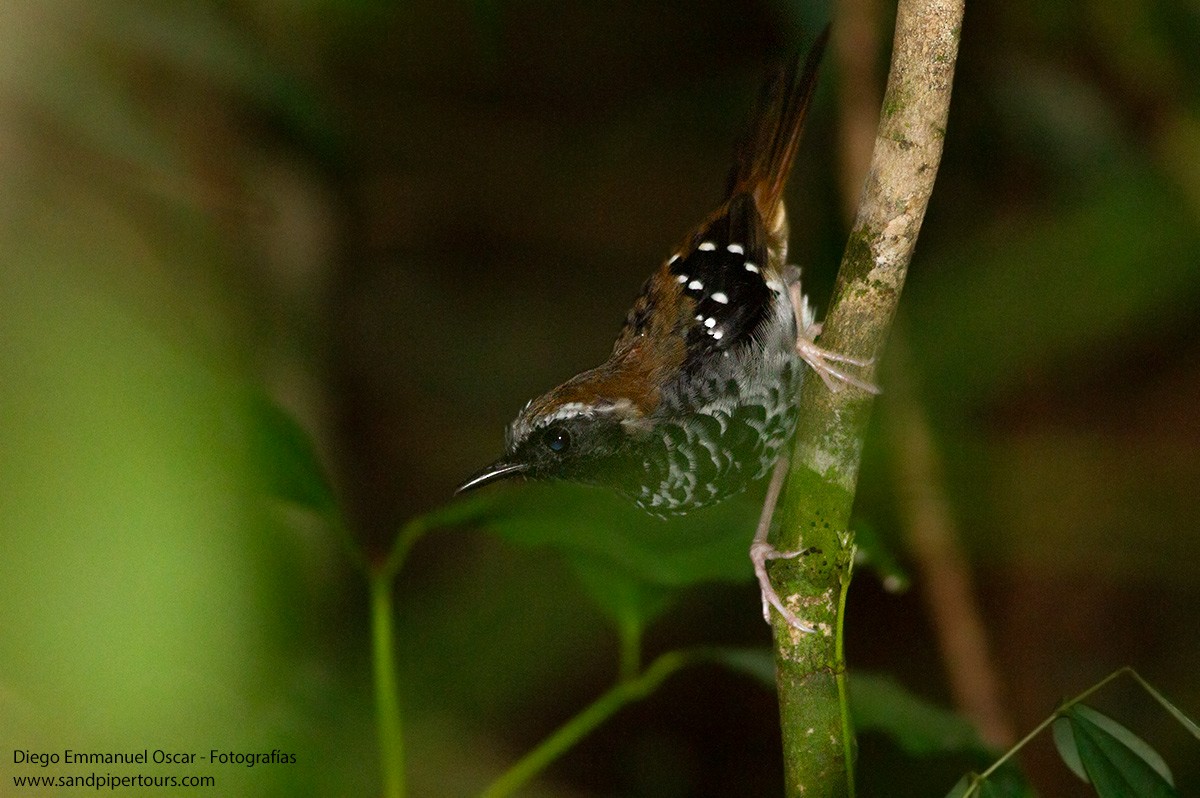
(760, 553)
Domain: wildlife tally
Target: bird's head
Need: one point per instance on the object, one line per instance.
(574, 433)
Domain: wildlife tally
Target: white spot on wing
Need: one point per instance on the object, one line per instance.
(707, 246)
(696, 285)
(721, 297)
(673, 258)
(735, 248)
(750, 267)
(717, 335)
(683, 278)
(710, 322)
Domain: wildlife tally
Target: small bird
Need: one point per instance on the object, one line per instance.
(699, 396)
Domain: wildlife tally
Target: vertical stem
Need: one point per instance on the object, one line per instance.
(810, 669)
(815, 512)
(387, 700)
(843, 694)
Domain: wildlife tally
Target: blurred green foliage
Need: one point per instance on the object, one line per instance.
(398, 222)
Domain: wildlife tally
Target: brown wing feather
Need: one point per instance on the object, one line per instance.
(651, 347)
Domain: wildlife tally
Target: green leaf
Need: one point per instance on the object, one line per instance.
(1116, 769)
(629, 601)
(879, 557)
(757, 663)
(1128, 739)
(711, 544)
(1064, 741)
(995, 788)
(629, 562)
(465, 511)
(283, 458)
(879, 704)
(963, 787)
(1007, 783)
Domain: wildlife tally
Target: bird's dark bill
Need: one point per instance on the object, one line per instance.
(492, 473)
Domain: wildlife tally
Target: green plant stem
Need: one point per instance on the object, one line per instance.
(387, 699)
(380, 577)
(410, 533)
(1041, 727)
(577, 727)
(843, 694)
(814, 512)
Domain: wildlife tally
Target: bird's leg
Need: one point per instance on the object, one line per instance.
(761, 551)
(821, 359)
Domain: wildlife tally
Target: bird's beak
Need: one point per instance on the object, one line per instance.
(493, 473)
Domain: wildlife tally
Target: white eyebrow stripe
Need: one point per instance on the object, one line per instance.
(583, 409)
(568, 410)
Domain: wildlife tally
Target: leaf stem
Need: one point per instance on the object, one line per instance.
(387, 701)
(976, 781)
(839, 657)
(591, 717)
(409, 534)
(380, 576)
(1041, 727)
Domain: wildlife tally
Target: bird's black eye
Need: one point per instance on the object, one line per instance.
(557, 439)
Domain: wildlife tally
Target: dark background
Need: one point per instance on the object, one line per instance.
(404, 220)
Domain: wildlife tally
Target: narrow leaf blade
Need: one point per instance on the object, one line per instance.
(879, 557)
(757, 663)
(283, 456)
(1130, 740)
(880, 704)
(1064, 741)
(1115, 770)
(963, 788)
